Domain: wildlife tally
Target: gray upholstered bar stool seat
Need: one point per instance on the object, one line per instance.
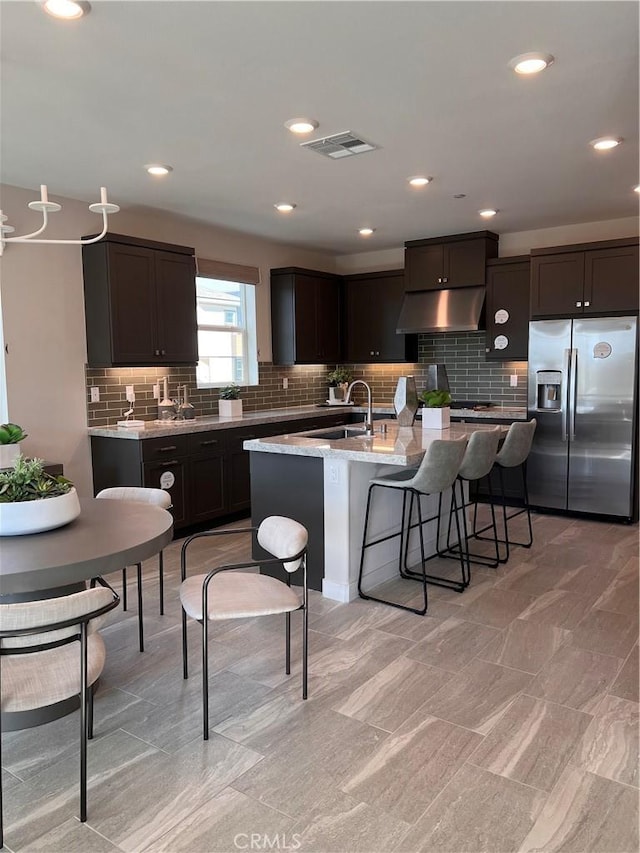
(436, 474)
(225, 593)
(156, 497)
(478, 461)
(50, 652)
(514, 454)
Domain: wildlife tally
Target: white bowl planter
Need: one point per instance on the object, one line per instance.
(23, 517)
(436, 418)
(8, 454)
(230, 408)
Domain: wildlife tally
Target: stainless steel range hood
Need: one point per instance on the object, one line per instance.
(459, 309)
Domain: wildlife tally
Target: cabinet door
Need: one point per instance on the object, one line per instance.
(508, 290)
(172, 477)
(373, 306)
(611, 280)
(557, 284)
(207, 486)
(133, 305)
(305, 332)
(464, 263)
(424, 267)
(328, 320)
(177, 340)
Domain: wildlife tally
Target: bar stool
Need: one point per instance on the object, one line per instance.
(514, 454)
(478, 461)
(436, 473)
(157, 497)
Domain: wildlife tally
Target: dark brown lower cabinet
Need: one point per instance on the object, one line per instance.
(206, 473)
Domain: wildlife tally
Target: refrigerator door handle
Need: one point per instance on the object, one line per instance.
(565, 391)
(574, 392)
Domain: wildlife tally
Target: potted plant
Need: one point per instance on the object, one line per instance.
(230, 405)
(10, 437)
(339, 380)
(436, 411)
(31, 500)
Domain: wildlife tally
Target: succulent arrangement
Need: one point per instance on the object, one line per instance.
(435, 399)
(28, 481)
(339, 376)
(230, 392)
(11, 434)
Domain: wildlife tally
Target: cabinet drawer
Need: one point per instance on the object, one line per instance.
(236, 437)
(212, 441)
(164, 448)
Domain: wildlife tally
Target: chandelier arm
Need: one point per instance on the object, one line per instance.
(26, 238)
(45, 221)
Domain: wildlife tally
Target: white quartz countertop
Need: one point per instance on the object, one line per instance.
(398, 446)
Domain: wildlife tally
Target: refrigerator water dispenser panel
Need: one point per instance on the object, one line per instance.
(549, 389)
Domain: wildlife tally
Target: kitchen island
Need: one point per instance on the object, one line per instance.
(321, 479)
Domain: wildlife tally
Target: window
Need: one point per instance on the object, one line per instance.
(227, 349)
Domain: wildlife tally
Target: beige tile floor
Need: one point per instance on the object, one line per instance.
(505, 720)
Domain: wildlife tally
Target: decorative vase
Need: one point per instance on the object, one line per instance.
(336, 394)
(436, 418)
(24, 517)
(8, 454)
(405, 401)
(230, 408)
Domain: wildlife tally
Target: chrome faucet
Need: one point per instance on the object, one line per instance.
(368, 424)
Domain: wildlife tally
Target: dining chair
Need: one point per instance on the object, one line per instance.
(156, 497)
(226, 593)
(51, 651)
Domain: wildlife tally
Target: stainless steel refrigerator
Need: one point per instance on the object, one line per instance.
(582, 390)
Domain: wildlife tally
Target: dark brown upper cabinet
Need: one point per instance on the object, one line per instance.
(373, 302)
(507, 308)
(458, 260)
(589, 278)
(140, 303)
(306, 312)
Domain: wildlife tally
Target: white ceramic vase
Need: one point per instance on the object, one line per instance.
(230, 408)
(436, 418)
(24, 517)
(8, 454)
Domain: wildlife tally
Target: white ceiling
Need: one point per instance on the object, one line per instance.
(207, 86)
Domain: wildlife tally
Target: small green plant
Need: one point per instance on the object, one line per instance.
(11, 434)
(435, 399)
(230, 392)
(339, 376)
(28, 481)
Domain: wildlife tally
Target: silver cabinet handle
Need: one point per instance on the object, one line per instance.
(578, 304)
(565, 391)
(587, 304)
(574, 391)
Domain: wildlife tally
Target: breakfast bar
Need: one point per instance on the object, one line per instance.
(321, 478)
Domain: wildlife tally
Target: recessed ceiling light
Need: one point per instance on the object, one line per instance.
(605, 143)
(284, 206)
(158, 169)
(301, 125)
(487, 212)
(366, 232)
(531, 63)
(67, 9)
(419, 180)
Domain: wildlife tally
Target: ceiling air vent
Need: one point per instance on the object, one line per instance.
(339, 145)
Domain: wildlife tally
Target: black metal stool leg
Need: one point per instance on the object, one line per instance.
(124, 589)
(161, 579)
(140, 623)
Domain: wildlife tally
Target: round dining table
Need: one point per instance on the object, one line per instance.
(106, 537)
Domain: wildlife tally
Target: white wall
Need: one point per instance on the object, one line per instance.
(518, 243)
(43, 314)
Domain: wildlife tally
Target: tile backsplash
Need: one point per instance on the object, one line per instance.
(470, 378)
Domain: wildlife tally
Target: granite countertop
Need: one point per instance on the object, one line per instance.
(398, 446)
(159, 429)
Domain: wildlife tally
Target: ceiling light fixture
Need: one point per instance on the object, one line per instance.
(158, 170)
(530, 63)
(46, 207)
(366, 232)
(284, 206)
(487, 212)
(419, 180)
(605, 143)
(68, 10)
(301, 125)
